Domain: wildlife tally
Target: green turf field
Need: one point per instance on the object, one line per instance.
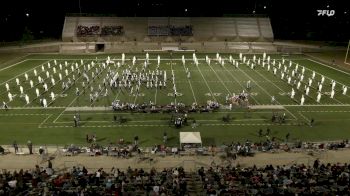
(54, 124)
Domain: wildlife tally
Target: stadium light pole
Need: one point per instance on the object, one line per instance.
(347, 52)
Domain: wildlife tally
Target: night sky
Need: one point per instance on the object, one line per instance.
(290, 19)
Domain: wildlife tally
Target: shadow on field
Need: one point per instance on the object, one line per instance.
(255, 134)
(171, 139)
(88, 118)
(208, 140)
(101, 139)
(142, 142)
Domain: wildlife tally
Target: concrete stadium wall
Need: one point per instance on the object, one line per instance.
(129, 47)
(33, 48)
(205, 29)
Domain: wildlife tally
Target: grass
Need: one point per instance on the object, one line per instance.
(54, 125)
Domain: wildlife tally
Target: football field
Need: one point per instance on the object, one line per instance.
(80, 84)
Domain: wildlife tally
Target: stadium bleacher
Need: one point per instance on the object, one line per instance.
(112, 30)
(87, 30)
(295, 179)
(203, 29)
(225, 34)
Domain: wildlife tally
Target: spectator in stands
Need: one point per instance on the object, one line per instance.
(30, 147)
(136, 139)
(165, 137)
(87, 31)
(15, 146)
(260, 132)
(295, 179)
(2, 150)
(112, 30)
(49, 164)
(287, 136)
(41, 150)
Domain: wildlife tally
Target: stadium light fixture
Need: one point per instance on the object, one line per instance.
(185, 9)
(27, 14)
(264, 6)
(253, 11)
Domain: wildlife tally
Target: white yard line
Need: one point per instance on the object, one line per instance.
(327, 65)
(193, 94)
(325, 77)
(120, 88)
(325, 111)
(227, 81)
(220, 79)
(15, 63)
(211, 92)
(319, 73)
(308, 120)
(278, 86)
(302, 83)
(24, 72)
(155, 96)
(189, 82)
(136, 95)
(34, 108)
(99, 93)
(172, 70)
(26, 90)
(55, 84)
(329, 105)
(257, 84)
(119, 59)
(127, 113)
(266, 92)
(148, 121)
(45, 120)
(65, 110)
(232, 76)
(23, 114)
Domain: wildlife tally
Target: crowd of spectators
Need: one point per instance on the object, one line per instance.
(95, 149)
(87, 31)
(83, 31)
(158, 31)
(181, 31)
(80, 181)
(170, 30)
(232, 150)
(297, 179)
(112, 30)
(274, 144)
